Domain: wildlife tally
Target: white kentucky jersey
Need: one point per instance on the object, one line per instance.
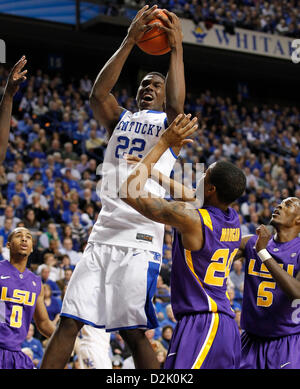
(118, 223)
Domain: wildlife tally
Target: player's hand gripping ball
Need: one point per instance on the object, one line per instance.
(155, 41)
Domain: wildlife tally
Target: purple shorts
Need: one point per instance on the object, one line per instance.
(205, 341)
(14, 360)
(270, 353)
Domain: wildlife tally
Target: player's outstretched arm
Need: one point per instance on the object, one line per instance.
(41, 318)
(290, 285)
(175, 135)
(104, 105)
(241, 252)
(175, 80)
(174, 188)
(175, 213)
(15, 78)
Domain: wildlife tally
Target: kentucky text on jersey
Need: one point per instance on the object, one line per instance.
(18, 296)
(139, 128)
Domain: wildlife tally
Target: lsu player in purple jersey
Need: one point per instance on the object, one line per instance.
(271, 337)
(15, 78)
(21, 299)
(205, 242)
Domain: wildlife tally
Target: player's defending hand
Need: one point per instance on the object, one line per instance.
(16, 77)
(131, 159)
(181, 128)
(264, 236)
(139, 24)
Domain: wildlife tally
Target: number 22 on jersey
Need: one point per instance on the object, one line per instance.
(137, 144)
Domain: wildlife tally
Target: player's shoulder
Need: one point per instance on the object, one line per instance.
(125, 113)
(150, 113)
(4, 264)
(34, 276)
(250, 241)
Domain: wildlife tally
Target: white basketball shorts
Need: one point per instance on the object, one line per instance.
(93, 349)
(112, 287)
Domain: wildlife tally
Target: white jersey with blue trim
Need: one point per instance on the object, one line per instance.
(118, 223)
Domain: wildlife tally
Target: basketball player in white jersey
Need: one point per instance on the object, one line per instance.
(113, 285)
(15, 78)
(93, 348)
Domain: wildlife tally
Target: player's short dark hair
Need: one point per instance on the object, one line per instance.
(12, 233)
(157, 74)
(229, 180)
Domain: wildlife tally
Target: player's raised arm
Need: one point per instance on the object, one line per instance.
(290, 285)
(241, 252)
(175, 213)
(174, 188)
(15, 78)
(175, 80)
(104, 105)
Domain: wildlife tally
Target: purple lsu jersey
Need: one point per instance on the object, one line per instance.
(267, 311)
(198, 278)
(18, 296)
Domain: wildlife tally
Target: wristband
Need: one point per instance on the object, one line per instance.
(264, 255)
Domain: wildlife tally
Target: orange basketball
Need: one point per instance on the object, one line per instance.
(155, 42)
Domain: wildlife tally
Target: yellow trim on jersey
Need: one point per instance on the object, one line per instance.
(208, 341)
(211, 303)
(206, 218)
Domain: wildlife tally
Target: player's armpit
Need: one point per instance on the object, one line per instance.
(241, 252)
(106, 111)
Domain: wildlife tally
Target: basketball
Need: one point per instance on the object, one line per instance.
(155, 42)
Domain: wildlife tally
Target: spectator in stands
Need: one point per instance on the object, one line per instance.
(68, 249)
(78, 232)
(69, 213)
(166, 335)
(47, 236)
(45, 272)
(63, 282)
(31, 223)
(170, 319)
(66, 262)
(237, 276)
(34, 344)
(161, 357)
(68, 152)
(155, 343)
(9, 213)
(119, 347)
(253, 223)
(53, 305)
(234, 304)
(50, 261)
(162, 290)
(6, 230)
